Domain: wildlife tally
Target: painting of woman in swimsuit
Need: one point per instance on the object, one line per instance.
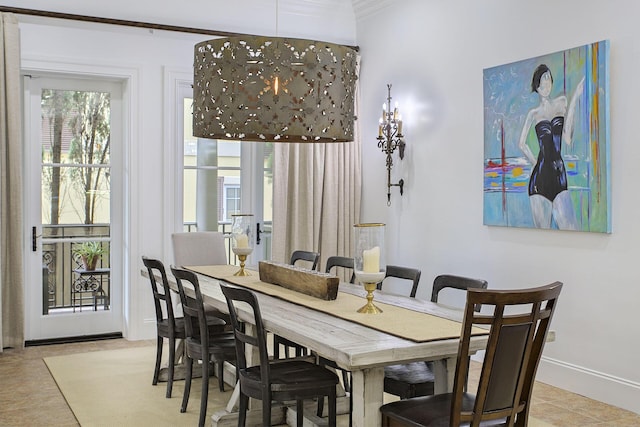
(546, 141)
(548, 192)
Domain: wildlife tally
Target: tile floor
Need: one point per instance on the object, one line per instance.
(29, 396)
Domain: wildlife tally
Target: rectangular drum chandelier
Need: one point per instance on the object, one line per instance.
(274, 89)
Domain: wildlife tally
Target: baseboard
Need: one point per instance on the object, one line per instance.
(66, 340)
(605, 388)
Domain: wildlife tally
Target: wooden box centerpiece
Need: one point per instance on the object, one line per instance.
(309, 282)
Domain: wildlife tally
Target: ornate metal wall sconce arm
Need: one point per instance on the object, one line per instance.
(389, 138)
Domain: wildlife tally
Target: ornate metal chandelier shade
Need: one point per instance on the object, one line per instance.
(274, 89)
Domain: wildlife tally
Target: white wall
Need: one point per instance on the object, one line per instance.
(434, 53)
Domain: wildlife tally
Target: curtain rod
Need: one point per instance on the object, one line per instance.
(127, 23)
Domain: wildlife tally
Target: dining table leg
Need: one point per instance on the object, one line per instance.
(444, 371)
(367, 386)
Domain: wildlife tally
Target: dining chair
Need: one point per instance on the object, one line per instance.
(417, 378)
(340, 262)
(199, 248)
(312, 257)
(517, 324)
(274, 380)
(412, 274)
(167, 324)
(455, 282)
(283, 343)
(204, 342)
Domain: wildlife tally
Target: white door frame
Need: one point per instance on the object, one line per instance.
(123, 189)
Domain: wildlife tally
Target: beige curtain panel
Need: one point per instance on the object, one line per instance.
(11, 280)
(317, 197)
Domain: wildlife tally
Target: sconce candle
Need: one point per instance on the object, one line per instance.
(389, 138)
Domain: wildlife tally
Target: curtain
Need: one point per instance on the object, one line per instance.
(317, 195)
(11, 241)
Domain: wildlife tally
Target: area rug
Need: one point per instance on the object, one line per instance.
(113, 388)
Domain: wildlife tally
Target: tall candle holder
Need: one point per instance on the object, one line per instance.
(369, 264)
(242, 239)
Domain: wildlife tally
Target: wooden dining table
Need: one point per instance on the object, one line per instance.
(362, 350)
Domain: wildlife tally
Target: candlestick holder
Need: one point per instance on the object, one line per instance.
(242, 239)
(369, 265)
(389, 138)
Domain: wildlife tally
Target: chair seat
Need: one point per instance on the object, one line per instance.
(164, 326)
(290, 375)
(221, 347)
(431, 411)
(409, 380)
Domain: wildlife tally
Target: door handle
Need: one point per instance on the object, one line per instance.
(258, 232)
(34, 239)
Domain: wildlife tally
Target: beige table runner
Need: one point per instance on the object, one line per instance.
(394, 320)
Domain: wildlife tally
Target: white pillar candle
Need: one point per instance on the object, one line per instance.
(371, 260)
(242, 241)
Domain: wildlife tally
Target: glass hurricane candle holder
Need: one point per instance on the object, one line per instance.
(242, 239)
(369, 263)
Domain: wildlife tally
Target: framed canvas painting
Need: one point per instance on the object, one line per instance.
(546, 141)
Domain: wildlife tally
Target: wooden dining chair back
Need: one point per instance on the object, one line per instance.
(412, 274)
(518, 322)
(167, 324)
(273, 380)
(207, 338)
(341, 262)
(312, 257)
(444, 281)
(199, 248)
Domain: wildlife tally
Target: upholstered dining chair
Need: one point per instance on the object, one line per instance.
(312, 257)
(518, 322)
(167, 324)
(199, 248)
(340, 262)
(204, 342)
(416, 378)
(274, 380)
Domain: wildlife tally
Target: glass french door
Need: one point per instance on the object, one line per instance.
(221, 178)
(73, 143)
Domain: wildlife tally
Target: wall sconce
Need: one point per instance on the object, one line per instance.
(389, 138)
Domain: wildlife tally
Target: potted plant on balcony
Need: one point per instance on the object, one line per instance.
(89, 253)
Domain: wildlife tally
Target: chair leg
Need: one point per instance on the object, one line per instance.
(320, 406)
(221, 375)
(266, 411)
(204, 396)
(156, 370)
(187, 384)
(242, 410)
(172, 364)
(300, 412)
(333, 408)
